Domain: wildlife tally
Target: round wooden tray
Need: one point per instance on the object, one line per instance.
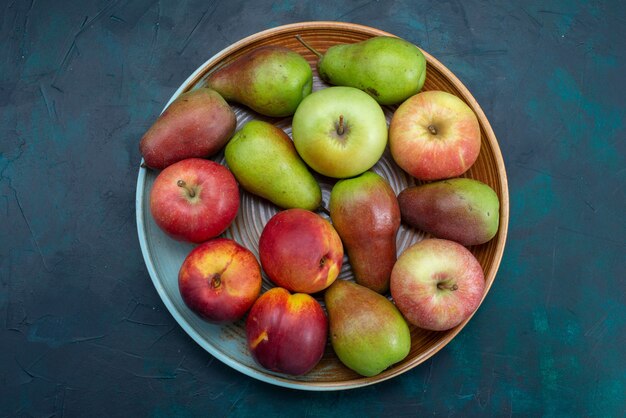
(164, 256)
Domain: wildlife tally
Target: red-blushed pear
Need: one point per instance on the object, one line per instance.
(220, 280)
(197, 124)
(194, 199)
(286, 333)
(300, 251)
(463, 210)
(437, 284)
(365, 212)
(434, 135)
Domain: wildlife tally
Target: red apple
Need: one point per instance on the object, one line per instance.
(437, 284)
(194, 199)
(300, 251)
(220, 280)
(287, 333)
(434, 135)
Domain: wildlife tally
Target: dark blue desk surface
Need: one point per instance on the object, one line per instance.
(83, 331)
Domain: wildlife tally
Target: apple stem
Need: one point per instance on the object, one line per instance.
(181, 183)
(340, 128)
(432, 129)
(309, 47)
(216, 280)
(442, 286)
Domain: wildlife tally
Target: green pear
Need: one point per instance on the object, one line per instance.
(270, 80)
(389, 69)
(367, 331)
(365, 213)
(265, 163)
(463, 210)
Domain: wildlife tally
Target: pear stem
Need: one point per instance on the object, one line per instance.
(340, 128)
(432, 129)
(309, 47)
(190, 191)
(442, 286)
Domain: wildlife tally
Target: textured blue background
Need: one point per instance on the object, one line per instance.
(82, 330)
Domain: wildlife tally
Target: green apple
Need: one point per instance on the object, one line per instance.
(339, 131)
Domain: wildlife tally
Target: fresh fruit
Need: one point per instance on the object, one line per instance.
(265, 162)
(364, 211)
(339, 131)
(197, 124)
(300, 251)
(367, 331)
(270, 80)
(194, 199)
(220, 280)
(287, 333)
(434, 135)
(463, 210)
(388, 69)
(437, 284)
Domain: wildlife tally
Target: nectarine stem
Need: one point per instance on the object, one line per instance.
(190, 191)
(309, 47)
(432, 129)
(340, 129)
(442, 286)
(216, 281)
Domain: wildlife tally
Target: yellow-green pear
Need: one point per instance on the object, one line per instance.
(387, 68)
(367, 331)
(265, 163)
